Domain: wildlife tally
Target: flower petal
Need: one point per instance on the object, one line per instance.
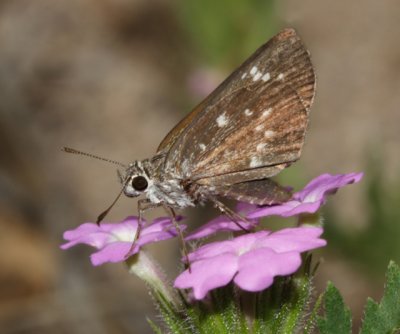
(212, 249)
(161, 229)
(299, 239)
(258, 268)
(311, 198)
(115, 252)
(208, 274)
(87, 233)
(235, 246)
(326, 184)
(225, 224)
(219, 224)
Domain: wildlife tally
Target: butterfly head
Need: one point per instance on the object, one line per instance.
(136, 181)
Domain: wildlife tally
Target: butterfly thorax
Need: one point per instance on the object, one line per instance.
(144, 177)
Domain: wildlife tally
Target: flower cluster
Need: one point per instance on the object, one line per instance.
(114, 241)
(251, 260)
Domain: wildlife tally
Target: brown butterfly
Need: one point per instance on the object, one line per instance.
(246, 131)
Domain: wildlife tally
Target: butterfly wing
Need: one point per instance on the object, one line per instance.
(260, 192)
(256, 119)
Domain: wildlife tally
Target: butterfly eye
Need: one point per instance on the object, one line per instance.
(139, 183)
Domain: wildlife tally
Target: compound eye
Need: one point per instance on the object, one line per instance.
(139, 183)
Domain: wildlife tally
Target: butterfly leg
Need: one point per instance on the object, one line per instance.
(235, 217)
(143, 206)
(172, 214)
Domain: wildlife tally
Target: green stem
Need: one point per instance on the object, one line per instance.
(147, 269)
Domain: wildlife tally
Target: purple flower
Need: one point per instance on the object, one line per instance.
(115, 240)
(251, 260)
(308, 200)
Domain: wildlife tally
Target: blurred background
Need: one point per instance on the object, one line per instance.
(112, 77)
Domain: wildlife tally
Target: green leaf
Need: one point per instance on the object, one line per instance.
(337, 318)
(385, 317)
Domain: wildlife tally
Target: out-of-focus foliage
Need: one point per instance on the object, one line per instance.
(225, 32)
(373, 246)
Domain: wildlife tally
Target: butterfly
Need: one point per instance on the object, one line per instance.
(247, 130)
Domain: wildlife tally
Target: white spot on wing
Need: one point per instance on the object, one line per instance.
(253, 70)
(255, 162)
(280, 76)
(222, 120)
(269, 134)
(260, 147)
(248, 112)
(266, 113)
(257, 76)
(266, 77)
(202, 147)
(244, 75)
(259, 127)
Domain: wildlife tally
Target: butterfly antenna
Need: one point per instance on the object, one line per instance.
(73, 151)
(105, 212)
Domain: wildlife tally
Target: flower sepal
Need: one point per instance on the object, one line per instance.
(148, 270)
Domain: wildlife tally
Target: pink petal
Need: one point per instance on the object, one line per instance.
(258, 268)
(147, 238)
(208, 274)
(80, 231)
(326, 184)
(212, 249)
(115, 252)
(283, 209)
(234, 246)
(225, 224)
(128, 226)
(219, 224)
(311, 198)
(299, 239)
(95, 239)
(159, 224)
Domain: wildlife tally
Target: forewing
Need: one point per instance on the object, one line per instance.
(256, 118)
